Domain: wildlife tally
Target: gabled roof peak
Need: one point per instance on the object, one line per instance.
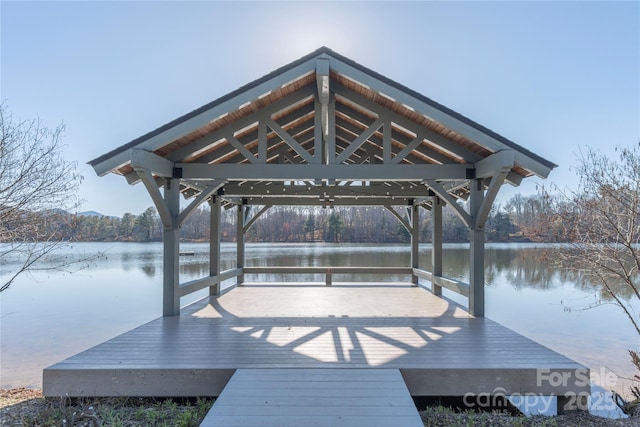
(366, 118)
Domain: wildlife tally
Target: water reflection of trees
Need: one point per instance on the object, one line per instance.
(535, 267)
(195, 267)
(524, 268)
(149, 270)
(148, 261)
(542, 268)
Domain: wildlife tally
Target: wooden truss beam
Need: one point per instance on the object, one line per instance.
(204, 142)
(143, 159)
(207, 116)
(405, 223)
(353, 146)
(234, 189)
(429, 135)
(436, 114)
(273, 172)
(204, 195)
(443, 194)
(328, 202)
(322, 81)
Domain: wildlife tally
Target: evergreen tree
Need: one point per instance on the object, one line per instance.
(334, 228)
(127, 222)
(310, 226)
(145, 225)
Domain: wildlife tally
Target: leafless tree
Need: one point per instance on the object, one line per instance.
(37, 188)
(601, 219)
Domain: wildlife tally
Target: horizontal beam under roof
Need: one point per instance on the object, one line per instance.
(276, 172)
(303, 191)
(347, 201)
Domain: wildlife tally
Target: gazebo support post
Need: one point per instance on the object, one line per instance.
(214, 243)
(171, 250)
(476, 253)
(415, 241)
(436, 243)
(240, 221)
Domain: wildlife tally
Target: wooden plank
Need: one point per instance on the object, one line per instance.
(130, 381)
(345, 397)
(453, 285)
(322, 270)
(195, 285)
(458, 382)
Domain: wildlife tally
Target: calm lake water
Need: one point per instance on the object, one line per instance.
(46, 317)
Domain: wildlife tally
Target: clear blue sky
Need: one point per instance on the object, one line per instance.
(551, 76)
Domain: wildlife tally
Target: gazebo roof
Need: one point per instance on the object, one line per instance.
(323, 128)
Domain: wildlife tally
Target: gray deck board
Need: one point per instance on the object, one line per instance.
(314, 397)
(438, 347)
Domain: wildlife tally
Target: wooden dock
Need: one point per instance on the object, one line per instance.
(438, 347)
(314, 397)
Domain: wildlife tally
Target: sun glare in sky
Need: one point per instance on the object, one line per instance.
(551, 76)
(297, 38)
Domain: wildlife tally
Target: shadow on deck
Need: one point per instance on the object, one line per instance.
(439, 348)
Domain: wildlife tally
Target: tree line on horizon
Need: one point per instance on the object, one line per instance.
(519, 219)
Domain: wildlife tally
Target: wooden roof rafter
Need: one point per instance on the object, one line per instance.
(329, 121)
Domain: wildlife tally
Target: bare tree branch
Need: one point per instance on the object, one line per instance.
(601, 220)
(37, 190)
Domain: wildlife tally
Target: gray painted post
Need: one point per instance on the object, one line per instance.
(214, 243)
(330, 143)
(171, 249)
(415, 241)
(240, 242)
(436, 245)
(318, 142)
(476, 253)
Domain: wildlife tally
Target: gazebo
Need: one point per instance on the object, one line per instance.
(323, 131)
